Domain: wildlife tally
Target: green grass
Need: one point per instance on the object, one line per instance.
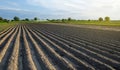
(111, 23)
(4, 25)
(98, 23)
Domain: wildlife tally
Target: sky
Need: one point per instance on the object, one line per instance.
(57, 9)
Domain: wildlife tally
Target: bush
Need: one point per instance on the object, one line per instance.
(1, 18)
(100, 19)
(16, 18)
(6, 20)
(35, 18)
(63, 20)
(107, 18)
(26, 19)
(89, 20)
(69, 19)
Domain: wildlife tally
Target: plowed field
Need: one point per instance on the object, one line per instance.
(58, 47)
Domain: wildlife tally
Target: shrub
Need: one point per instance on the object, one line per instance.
(100, 19)
(69, 19)
(1, 18)
(35, 18)
(16, 18)
(107, 18)
(26, 19)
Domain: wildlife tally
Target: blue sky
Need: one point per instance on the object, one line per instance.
(78, 9)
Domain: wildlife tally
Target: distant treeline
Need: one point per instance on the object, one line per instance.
(70, 19)
(53, 20)
(17, 19)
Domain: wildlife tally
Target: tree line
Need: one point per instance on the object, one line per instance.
(100, 19)
(15, 18)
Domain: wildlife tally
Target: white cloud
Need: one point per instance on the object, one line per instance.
(14, 9)
(86, 8)
(58, 4)
(12, 3)
(8, 8)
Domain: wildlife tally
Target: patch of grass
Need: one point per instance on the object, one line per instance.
(4, 25)
(98, 23)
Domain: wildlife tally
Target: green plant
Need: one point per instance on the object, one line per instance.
(69, 19)
(1, 18)
(16, 18)
(107, 18)
(100, 19)
(35, 18)
(26, 19)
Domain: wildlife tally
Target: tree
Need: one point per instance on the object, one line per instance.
(1, 18)
(100, 19)
(107, 18)
(69, 19)
(35, 18)
(16, 18)
(6, 20)
(89, 20)
(26, 19)
(63, 20)
(48, 19)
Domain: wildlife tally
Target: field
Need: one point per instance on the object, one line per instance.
(58, 47)
(92, 22)
(4, 25)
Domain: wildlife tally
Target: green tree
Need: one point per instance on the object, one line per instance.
(16, 18)
(107, 18)
(26, 19)
(100, 19)
(48, 19)
(6, 20)
(63, 20)
(35, 18)
(89, 20)
(69, 19)
(1, 18)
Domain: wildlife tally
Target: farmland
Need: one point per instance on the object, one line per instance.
(4, 25)
(58, 47)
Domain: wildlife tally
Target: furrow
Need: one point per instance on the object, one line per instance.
(71, 34)
(6, 36)
(13, 61)
(55, 47)
(31, 65)
(5, 31)
(65, 54)
(114, 63)
(6, 53)
(84, 55)
(110, 50)
(42, 56)
(104, 43)
(93, 48)
(85, 43)
(60, 61)
(89, 43)
(107, 47)
(101, 44)
(38, 63)
(3, 51)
